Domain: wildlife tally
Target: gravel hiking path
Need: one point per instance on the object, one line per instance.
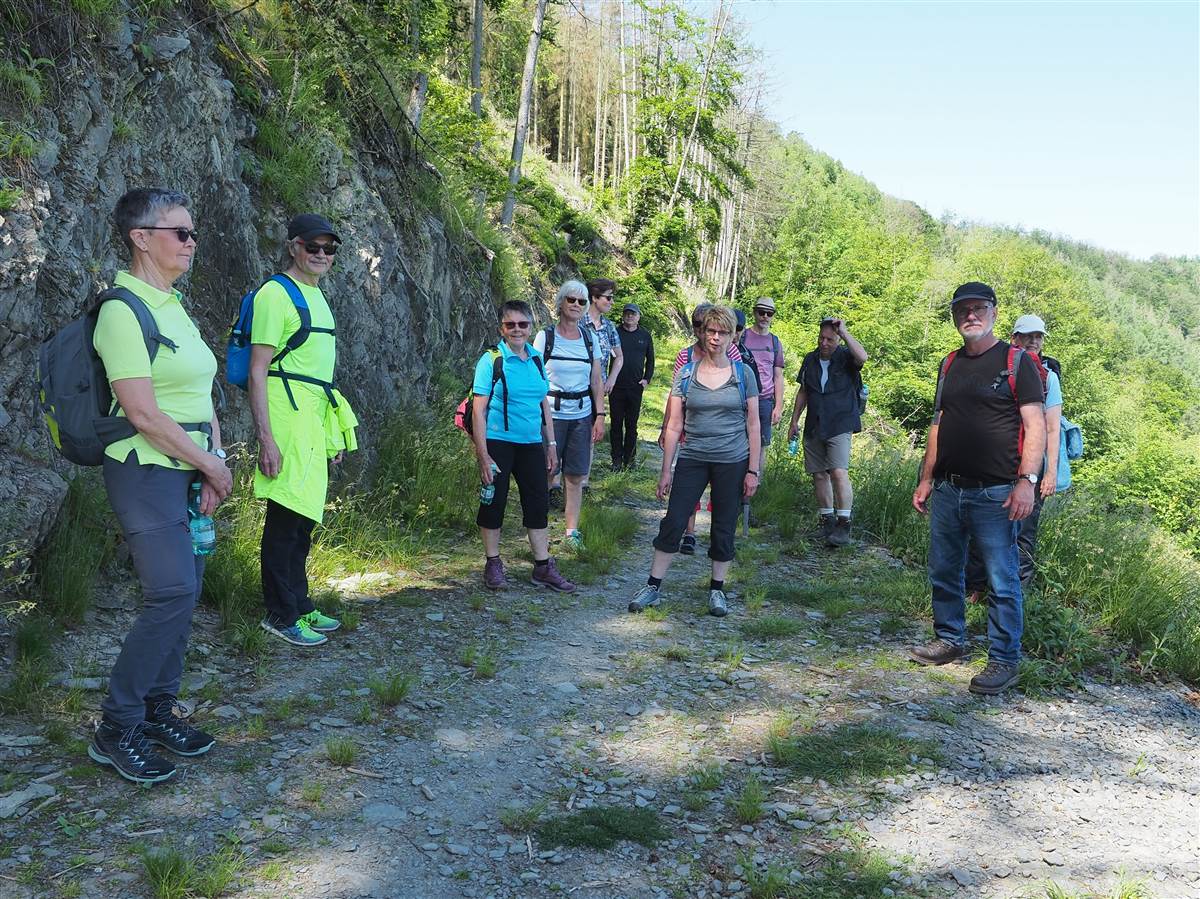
(897, 782)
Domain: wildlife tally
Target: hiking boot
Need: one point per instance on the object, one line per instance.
(574, 541)
(299, 634)
(556, 498)
(839, 535)
(165, 725)
(548, 576)
(826, 524)
(493, 574)
(646, 598)
(996, 677)
(717, 605)
(937, 652)
(130, 753)
(320, 623)
(687, 546)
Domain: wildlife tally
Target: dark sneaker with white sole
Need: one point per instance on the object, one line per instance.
(995, 678)
(166, 726)
(130, 752)
(937, 652)
(646, 598)
(687, 546)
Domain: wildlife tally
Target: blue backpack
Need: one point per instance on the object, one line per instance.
(237, 351)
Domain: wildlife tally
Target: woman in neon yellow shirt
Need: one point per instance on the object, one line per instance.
(149, 478)
(302, 420)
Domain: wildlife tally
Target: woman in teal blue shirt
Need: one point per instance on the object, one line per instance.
(514, 435)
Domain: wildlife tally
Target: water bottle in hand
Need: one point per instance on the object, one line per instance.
(203, 528)
(487, 492)
(794, 446)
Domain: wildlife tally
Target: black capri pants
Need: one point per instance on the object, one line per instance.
(527, 463)
(691, 477)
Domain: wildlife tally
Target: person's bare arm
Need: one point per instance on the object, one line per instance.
(920, 497)
(856, 349)
(1020, 501)
(614, 369)
(1049, 482)
(598, 394)
(797, 408)
(479, 412)
(754, 432)
(672, 431)
(269, 460)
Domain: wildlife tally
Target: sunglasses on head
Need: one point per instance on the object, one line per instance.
(329, 249)
(578, 301)
(184, 234)
(516, 326)
(767, 312)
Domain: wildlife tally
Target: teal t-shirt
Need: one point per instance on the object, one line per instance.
(526, 389)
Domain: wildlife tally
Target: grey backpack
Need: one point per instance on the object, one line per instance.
(73, 390)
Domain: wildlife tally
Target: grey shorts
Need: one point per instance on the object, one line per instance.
(827, 455)
(765, 408)
(574, 439)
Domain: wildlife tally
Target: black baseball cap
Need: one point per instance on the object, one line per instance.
(974, 290)
(309, 224)
(632, 307)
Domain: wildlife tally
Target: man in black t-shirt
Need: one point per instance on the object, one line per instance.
(978, 479)
(625, 401)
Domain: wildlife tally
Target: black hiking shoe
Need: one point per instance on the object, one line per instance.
(937, 652)
(687, 546)
(826, 523)
(995, 678)
(130, 753)
(166, 726)
(839, 535)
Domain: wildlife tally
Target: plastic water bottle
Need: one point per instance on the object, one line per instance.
(794, 446)
(203, 528)
(487, 492)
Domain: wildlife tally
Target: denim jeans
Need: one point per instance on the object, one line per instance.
(959, 514)
(1027, 535)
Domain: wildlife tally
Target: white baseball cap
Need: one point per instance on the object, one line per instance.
(1029, 324)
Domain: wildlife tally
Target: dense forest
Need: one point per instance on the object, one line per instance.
(629, 139)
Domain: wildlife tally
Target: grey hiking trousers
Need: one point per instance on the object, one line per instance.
(150, 502)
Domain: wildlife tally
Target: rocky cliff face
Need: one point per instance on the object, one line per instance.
(144, 108)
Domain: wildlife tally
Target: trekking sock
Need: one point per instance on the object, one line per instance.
(654, 582)
(843, 513)
(540, 563)
(824, 511)
(715, 584)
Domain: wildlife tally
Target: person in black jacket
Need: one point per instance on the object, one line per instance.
(829, 388)
(625, 401)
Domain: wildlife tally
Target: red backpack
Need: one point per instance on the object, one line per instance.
(1010, 374)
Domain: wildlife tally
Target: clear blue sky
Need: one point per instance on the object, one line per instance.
(1082, 119)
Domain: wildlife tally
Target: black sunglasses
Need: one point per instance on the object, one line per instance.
(515, 326)
(184, 234)
(329, 249)
(767, 312)
(579, 301)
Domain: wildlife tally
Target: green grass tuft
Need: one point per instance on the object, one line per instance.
(602, 828)
(771, 627)
(392, 687)
(848, 752)
(523, 818)
(341, 751)
(749, 805)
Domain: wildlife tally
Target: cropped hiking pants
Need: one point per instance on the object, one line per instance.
(286, 540)
(691, 477)
(150, 502)
(526, 463)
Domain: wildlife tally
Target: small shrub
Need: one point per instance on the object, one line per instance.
(10, 195)
(602, 827)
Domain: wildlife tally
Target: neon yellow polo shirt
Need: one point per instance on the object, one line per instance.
(276, 319)
(182, 379)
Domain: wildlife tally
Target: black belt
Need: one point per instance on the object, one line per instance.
(971, 483)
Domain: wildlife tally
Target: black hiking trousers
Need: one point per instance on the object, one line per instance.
(286, 540)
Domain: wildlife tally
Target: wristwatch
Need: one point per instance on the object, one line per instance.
(219, 453)
(1031, 478)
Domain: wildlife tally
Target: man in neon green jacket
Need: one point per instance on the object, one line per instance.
(302, 421)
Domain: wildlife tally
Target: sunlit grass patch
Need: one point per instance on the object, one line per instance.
(749, 805)
(848, 752)
(771, 627)
(602, 827)
(607, 532)
(172, 874)
(391, 687)
(83, 538)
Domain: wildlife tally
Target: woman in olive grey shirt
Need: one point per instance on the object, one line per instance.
(717, 434)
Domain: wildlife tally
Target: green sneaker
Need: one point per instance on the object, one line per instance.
(299, 634)
(574, 541)
(322, 624)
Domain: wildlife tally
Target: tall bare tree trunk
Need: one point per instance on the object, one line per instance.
(477, 60)
(597, 135)
(562, 116)
(527, 78)
(722, 18)
(624, 99)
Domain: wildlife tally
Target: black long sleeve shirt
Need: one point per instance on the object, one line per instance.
(638, 349)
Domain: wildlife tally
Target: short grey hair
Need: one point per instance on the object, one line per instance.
(143, 207)
(571, 288)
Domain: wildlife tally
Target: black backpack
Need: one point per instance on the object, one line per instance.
(560, 395)
(73, 391)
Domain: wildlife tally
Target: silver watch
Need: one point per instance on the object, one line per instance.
(1031, 478)
(219, 453)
